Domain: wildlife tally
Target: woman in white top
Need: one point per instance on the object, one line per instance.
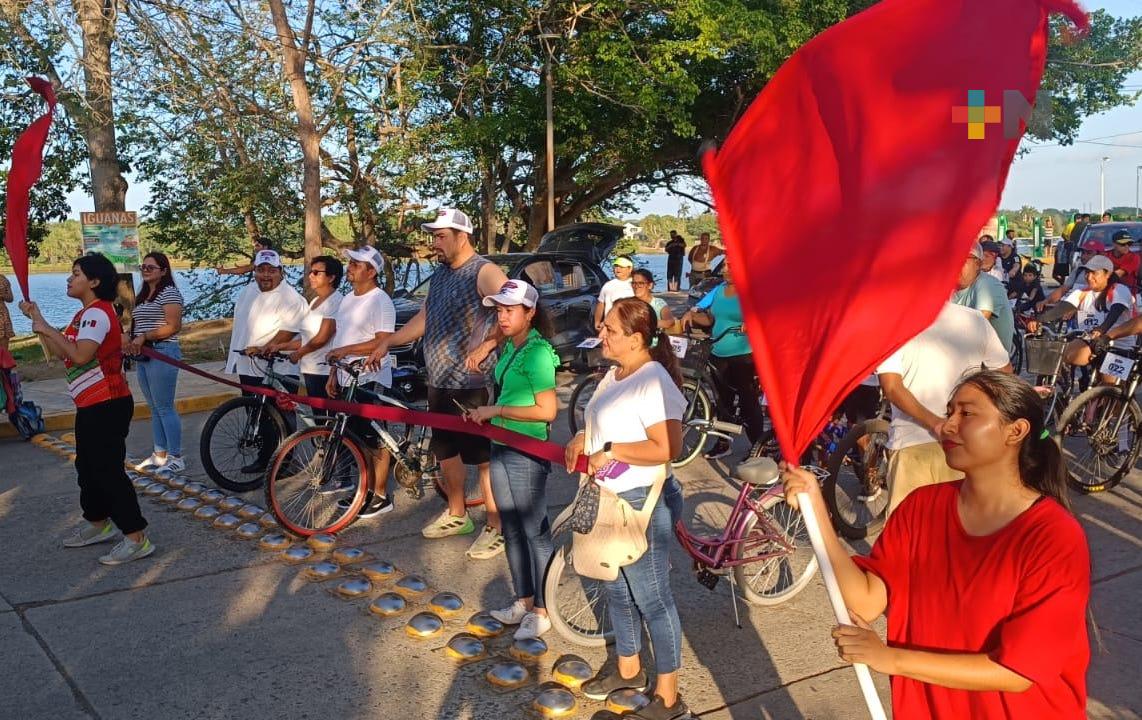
(642, 282)
(635, 424)
(318, 327)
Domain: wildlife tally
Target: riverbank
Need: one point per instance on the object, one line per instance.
(201, 341)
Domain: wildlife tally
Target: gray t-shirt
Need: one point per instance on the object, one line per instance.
(987, 294)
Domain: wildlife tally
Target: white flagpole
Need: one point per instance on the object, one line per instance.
(864, 677)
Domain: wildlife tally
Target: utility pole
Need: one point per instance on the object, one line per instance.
(1102, 185)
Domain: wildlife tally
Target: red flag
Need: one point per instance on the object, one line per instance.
(27, 163)
(849, 192)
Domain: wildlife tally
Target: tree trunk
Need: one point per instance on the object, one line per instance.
(293, 62)
(97, 22)
(488, 208)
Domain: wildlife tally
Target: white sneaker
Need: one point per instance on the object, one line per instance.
(511, 615)
(175, 464)
(88, 534)
(126, 551)
(154, 462)
(532, 626)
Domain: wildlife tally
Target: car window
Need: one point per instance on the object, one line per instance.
(555, 276)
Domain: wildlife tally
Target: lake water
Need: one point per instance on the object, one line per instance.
(49, 290)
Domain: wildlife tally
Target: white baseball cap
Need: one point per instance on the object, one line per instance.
(367, 254)
(1007, 241)
(514, 292)
(267, 257)
(449, 218)
(1099, 262)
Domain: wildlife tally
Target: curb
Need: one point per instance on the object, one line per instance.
(183, 406)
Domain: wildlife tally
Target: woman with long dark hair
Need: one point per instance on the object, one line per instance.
(634, 428)
(524, 402)
(984, 580)
(91, 348)
(155, 323)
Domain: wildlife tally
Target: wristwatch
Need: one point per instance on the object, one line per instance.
(607, 450)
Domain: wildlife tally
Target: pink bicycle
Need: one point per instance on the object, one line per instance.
(764, 542)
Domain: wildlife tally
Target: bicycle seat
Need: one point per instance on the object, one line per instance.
(760, 471)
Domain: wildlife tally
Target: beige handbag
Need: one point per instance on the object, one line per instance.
(618, 537)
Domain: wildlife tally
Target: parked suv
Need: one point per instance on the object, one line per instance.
(566, 269)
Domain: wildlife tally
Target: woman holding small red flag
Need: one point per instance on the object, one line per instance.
(984, 580)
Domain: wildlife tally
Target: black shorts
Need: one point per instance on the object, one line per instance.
(862, 404)
(472, 449)
(362, 427)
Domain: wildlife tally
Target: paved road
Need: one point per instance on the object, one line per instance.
(210, 627)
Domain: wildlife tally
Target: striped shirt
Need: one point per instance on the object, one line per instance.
(149, 315)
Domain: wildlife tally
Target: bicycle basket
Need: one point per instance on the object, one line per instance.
(1043, 355)
(697, 353)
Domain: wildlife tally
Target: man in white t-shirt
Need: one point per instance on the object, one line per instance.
(366, 317)
(262, 314)
(918, 379)
(615, 289)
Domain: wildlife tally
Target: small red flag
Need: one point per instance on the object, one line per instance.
(27, 164)
(850, 190)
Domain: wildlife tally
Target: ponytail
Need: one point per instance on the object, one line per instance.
(1100, 302)
(662, 353)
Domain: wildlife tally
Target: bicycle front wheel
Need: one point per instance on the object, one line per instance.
(1098, 435)
(699, 413)
(238, 440)
(311, 475)
(580, 396)
(784, 563)
(856, 490)
(577, 606)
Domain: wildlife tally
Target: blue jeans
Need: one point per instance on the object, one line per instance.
(641, 592)
(672, 496)
(158, 380)
(519, 484)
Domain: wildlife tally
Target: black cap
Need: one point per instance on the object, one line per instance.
(1122, 236)
(990, 246)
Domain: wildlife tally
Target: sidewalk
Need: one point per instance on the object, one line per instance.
(194, 394)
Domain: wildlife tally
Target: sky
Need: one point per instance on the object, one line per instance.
(1048, 176)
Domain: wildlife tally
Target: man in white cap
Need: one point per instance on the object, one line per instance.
(615, 289)
(980, 291)
(1009, 260)
(365, 318)
(458, 335)
(264, 311)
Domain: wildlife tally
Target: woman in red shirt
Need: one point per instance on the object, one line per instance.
(91, 350)
(985, 580)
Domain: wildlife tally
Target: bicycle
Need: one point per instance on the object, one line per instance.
(234, 439)
(764, 548)
(1054, 380)
(856, 489)
(1098, 419)
(303, 488)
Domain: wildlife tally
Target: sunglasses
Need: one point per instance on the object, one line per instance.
(148, 268)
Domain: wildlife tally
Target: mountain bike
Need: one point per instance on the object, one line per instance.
(316, 468)
(1098, 432)
(242, 433)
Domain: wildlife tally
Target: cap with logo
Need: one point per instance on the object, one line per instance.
(1122, 237)
(449, 218)
(367, 254)
(990, 246)
(514, 292)
(267, 257)
(1099, 262)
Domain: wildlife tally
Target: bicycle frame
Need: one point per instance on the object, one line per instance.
(718, 552)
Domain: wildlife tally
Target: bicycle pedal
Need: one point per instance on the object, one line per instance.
(708, 578)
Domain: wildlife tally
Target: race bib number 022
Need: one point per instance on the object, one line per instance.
(1117, 366)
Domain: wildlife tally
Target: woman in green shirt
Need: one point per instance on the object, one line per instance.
(525, 402)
